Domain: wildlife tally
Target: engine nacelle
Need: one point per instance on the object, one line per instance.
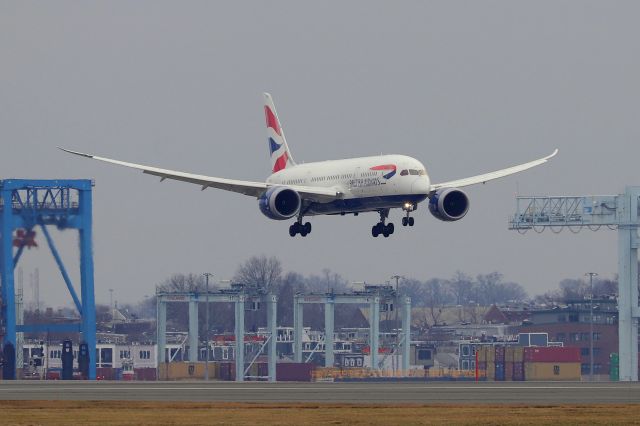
(279, 203)
(449, 204)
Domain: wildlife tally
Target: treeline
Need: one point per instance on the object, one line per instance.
(267, 273)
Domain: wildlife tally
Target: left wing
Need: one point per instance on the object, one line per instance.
(255, 189)
(491, 175)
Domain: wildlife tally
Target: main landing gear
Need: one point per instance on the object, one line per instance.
(299, 228)
(381, 227)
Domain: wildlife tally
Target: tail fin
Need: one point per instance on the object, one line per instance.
(278, 149)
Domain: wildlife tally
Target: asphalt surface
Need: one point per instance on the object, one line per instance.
(395, 392)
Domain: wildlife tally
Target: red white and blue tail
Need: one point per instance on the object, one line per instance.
(278, 149)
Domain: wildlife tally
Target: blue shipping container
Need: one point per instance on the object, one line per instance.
(500, 372)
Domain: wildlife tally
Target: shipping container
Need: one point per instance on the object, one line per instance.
(552, 371)
(500, 375)
(518, 354)
(144, 374)
(552, 354)
(500, 354)
(186, 370)
(508, 353)
(518, 371)
(227, 371)
(54, 375)
(491, 355)
(482, 353)
(106, 373)
(508, 371)
(294, 372)
(491, 371)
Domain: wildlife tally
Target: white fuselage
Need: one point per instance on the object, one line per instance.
(367, 183)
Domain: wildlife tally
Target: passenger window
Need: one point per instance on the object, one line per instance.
(404, 172)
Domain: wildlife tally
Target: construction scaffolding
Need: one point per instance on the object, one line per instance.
(616, 212)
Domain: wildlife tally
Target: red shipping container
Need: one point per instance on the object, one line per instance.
(105, 373)
(53, 375)
(551, 354)
(145, 374)
(228, 371)
(294, 372)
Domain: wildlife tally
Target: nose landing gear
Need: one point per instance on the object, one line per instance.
(408, 220)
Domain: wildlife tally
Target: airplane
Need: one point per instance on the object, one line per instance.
(339, 187)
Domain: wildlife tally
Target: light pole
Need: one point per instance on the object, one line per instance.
(111, 308)
(591, 275)
(206, 321)
(397, 278)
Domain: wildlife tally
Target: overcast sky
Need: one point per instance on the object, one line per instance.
(465, 87)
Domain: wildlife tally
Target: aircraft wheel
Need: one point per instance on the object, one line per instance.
(307, 227)
(404, 221)
(390, 228)
(411, 221)
(293, 230)
(375, 231)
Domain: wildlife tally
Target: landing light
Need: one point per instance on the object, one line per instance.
(407, 205)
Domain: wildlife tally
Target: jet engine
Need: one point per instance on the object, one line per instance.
(279, 203)
(449, 204)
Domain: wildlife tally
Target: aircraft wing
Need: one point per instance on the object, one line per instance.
(491, 175)
(254, 189)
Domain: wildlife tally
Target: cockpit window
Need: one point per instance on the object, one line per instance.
(422, 172)
(413, 172)
(404, 172)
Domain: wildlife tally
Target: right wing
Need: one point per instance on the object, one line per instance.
(492, 175)
(254, 189)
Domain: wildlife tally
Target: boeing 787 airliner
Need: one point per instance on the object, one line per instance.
(338, 187)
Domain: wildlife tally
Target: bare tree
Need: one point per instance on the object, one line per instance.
(512, 292)
(262, 272)
(460, 286)
(574, 289)
(183, 282)
(414, 289)
(436, 294)
(489, 287)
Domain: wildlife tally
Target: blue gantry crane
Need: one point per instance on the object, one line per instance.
(26, 206)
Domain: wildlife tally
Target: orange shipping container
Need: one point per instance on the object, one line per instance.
(186, 370)
(482, 354)
(518, 353)
(491, 371)
(508, 371)
(552, 371)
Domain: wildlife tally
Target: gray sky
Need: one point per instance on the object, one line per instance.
(465, 87)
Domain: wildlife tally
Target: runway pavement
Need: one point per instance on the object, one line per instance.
(371, 392)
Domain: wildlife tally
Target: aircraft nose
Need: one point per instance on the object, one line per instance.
(421, 186)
